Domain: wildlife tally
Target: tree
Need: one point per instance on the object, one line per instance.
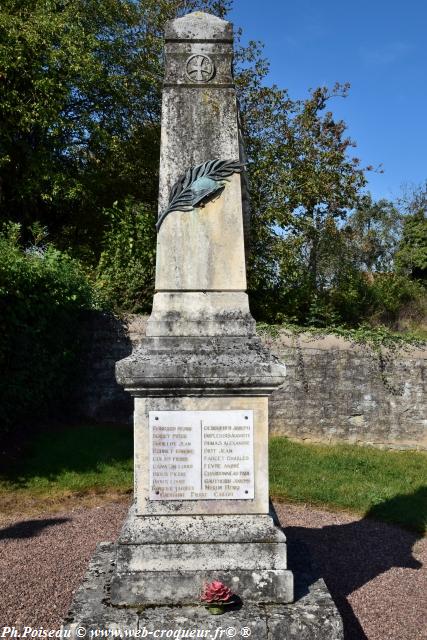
(79, 145)
(303, 182)
(373, 231)
(80, 109)
(125, 273)
(411, 257)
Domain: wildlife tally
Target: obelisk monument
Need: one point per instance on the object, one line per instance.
(201, 382)
(200, 378)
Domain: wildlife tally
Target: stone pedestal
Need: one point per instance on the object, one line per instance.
(169, 548)
(312, 617)
(167, 559)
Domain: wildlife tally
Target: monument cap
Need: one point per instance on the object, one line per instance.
(199, 26)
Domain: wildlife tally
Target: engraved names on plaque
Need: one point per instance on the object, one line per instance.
(201, 455)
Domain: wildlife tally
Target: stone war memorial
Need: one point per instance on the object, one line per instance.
(201, 522)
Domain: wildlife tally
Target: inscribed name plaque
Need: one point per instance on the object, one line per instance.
(201, 455)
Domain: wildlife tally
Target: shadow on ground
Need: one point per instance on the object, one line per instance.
(29, 528)
(347, 556)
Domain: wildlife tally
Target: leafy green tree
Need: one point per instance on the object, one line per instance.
(125, 273)
(411, 257)
(79, 146)
(79, 110)
(304, 182)
(373, 232)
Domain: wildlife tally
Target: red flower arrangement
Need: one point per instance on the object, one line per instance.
(216, 595)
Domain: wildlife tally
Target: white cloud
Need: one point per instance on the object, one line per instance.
(385, 54)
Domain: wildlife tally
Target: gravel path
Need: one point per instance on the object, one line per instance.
(375, 572)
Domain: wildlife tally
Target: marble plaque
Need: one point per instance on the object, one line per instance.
(201, 455)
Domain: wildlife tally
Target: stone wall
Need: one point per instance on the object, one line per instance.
(334, 391)
(338, 391)
(99, 396)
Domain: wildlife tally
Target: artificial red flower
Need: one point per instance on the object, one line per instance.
(216, 591)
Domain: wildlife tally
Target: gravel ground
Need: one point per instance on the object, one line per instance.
(375, 572)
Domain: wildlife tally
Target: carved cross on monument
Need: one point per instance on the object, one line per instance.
(200, 68)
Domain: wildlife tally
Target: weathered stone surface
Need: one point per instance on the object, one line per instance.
(200, 354)
(312, 617)
(334, 390)
(89, 608)
(309, 619)
(337, 391)
(218, 556)
(199, 26)
(148, 588)
(97, 394)
(200, 251)
(199, 313)
(198, 618)
(167, 559)
(199, 529)
(191, 365)
(199, 119)
(203, 249)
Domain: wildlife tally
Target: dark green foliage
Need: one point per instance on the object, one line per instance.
(411, 257)
(80, 102)
(393, 295)
(125, 274)
(43, 293)
(323, 251)
(80, 106)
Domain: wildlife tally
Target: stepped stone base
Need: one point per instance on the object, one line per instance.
(162, 560)
(312, 617)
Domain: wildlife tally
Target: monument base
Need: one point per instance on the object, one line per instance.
(164, 560)
(313, 616)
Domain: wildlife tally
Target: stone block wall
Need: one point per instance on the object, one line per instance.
(98, 395)
(338, 391)
(334, 390)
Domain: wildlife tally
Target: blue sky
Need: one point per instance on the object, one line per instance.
(380, 47)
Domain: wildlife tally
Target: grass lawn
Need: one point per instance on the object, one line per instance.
(73, 462)
(387, 485)
(97, 460)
